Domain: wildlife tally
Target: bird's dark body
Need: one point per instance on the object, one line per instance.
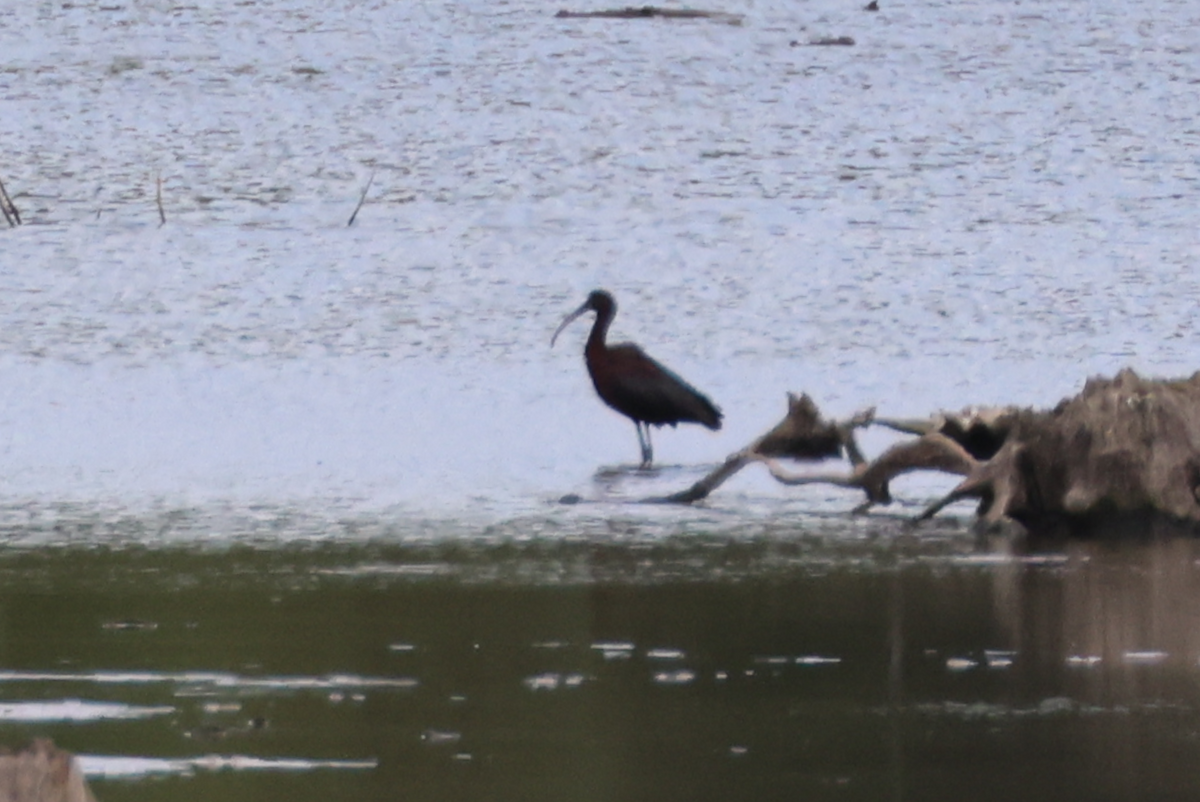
(635, 385)
(644, 390)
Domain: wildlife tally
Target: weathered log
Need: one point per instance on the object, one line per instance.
(643, 12)
(41, 772)
(1125, 449)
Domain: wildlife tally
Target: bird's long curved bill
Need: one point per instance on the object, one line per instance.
(567, 321)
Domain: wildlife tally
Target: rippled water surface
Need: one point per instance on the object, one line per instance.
(976, 203)
(690, 667)
(280, 496)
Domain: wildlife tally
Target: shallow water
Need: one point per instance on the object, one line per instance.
(699, 667)
(975, 204)
(280, 497)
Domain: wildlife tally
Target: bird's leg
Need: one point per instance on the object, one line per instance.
(644, 442)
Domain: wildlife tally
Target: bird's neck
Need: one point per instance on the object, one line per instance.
(595, 340)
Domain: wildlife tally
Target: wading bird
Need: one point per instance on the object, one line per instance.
(632, 383)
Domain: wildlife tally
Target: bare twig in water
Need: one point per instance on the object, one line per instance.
(362, 199)
(9, 208)
(162, 216)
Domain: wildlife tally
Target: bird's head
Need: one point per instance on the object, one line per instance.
(599, 301)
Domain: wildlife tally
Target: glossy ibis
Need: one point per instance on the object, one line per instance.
(635, 385)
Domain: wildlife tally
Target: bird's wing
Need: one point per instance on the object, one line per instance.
(645, 389)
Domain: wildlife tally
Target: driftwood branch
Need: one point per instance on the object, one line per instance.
(802, 434)
(701, 489)
(1123, 449)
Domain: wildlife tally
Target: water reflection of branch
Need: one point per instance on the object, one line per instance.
(896, 684)
(1121, 622)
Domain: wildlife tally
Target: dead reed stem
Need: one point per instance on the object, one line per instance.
(11, 214)
(362, 199)
(162, 215)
